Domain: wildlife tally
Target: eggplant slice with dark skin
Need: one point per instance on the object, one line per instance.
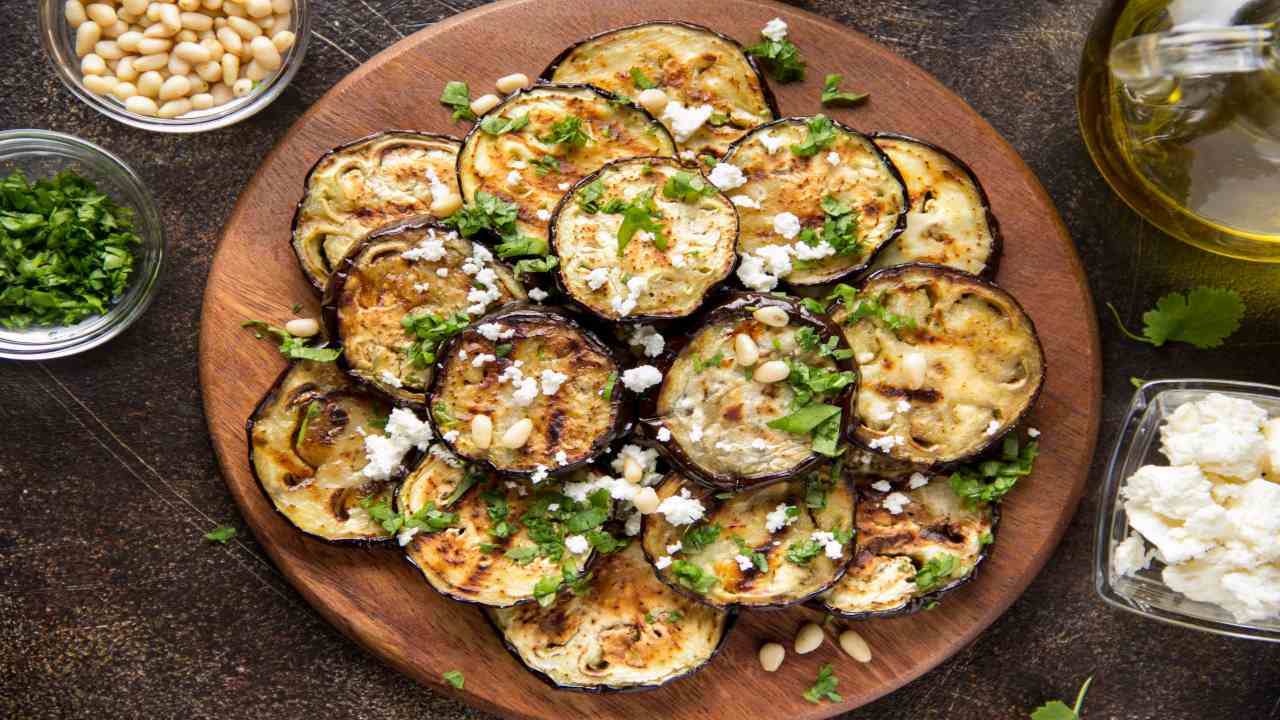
(651, 275)
(409, 270)
(951, 383)
(759, 545)
(629, 631)
(907, 560)
(529, 365)
(711, 417)
(819, 191)
(950, 222)
(565, 133)
(695, 66)
(306, 449)
(488, 556)
(368, 183)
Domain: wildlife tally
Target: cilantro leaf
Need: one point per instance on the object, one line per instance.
(860, 307)
(607, 393)
(454, 678)
(640, 80)
(589, 197)
(831, 94)
(697, 538)
(221, 534)
(687, 187)
(1058, 710)
(639, 214)
(821, 134)
(566, 131)
(1203, 317)
(497, 125)
(294, 348)
(781, 58)
(547, 263)
(522, 555)
(988, 481)
(825, 687)
(693, 577)
(488, 212)
(429, 331)
(804, 420)
(935, 571)
(803, 551)
(457, 95)
(516, 245)
(546, 165)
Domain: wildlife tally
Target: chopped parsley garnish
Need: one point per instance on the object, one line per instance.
(808, 339)
(66, 250)
(503, 349)
(821, 133)
(441, 414)
(640, 80)
(839, 228)
(831, 94)
(1203, 317)
(936, 571)
(1137, 382)
(669, 617)
(825, 687)
(697, 538)
(860, 307)
(714, 361)
(494, 214)
(546, 263)
(294, 348)
(605, 543)
(592, 516)
(988, 481)
(522, 555)
(545, 590)
(457, 95)
(589, 197)
(687, 187)
(692, 576)
(470, 478)
(568, 132)
(429, 332)
(496, 507)
(428, 519)
(809, 382)
(802, 552)
(221, 534)
(639, 214)
(1058, 710)
(817, 486)
(804, 420)
(780, 57)
(986, 538)
(313, 409)
(546, 165)
(758, 559)
(520, 246)
(296, 308)
(454, 678)
(497, 125)
(608, 386)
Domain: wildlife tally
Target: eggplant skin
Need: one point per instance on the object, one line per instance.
(375, 287)
(604, 641)
(891, 548)
(950, 222)
(984, 365)
(692, 64)
(356, 187)
(311, 475)
(744, 516)
(779, 181)
(701, 237)
(488, 163)
(577, 420)
(716, 415)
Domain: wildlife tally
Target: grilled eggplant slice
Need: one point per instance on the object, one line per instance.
(568, 132)
(489, 555)
(375, 180)
(695, 66)
(537, 375)
(728, 430)
(820, 193)
(664, 271)
(628, 632)
(950, 222)
(306, 449)
(908, 559)
(759, 545)
(951, 386)
(411, 270)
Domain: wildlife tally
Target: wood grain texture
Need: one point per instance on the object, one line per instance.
(375, 597)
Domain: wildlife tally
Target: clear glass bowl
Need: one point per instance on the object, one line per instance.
(41, 154)
(1145, 593)
(58, 40)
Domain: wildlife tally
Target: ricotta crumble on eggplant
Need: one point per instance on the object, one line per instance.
(357, 187)
(403, 291)
(950, 221)
(629, 631)
(818, 201)
(714, 92)
(644, 238)
(538, 142)
(949, 363)
(771, 546)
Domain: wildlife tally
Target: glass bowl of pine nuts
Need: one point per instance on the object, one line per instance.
(176, 66)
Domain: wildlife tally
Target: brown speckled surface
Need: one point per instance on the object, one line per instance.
(111, 603)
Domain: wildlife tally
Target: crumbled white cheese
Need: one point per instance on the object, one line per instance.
(663, 562)
(775, 30)
(597, 278)
(830, 545)
(438, 189)
(647, 339)
(685, 121)
(639, 379)
(992, 427)
(537, 295)
(404, 431)
(677, 260)
(551, 381)
(553, 507)
(745, 201)
(646, 458)
(1271, 431)
(786, 224)
(430, 249)
(577, 544)
(635, 286)
(525, 393)
(405, 426)
(727, 176)
(917, 481)
(481, 358)
(807, 252)
(452, 436)
(744, 562)
(895, 502)
(886, 443)
(421, 287)
(564, 186)
(1131, 555)
(1033, 433)
(881, 486)
(695, 433)
(681, 509)
(761, 268)
(562, 458)
(493, 332)
(513, 178)
(390, 379)
(771, 142)
(778, 518)
(673, 549)
(405, 536)
(833, 158)
(1221, 434)
(542, 214)
(759, 444)
(539, 474)
(663, 434)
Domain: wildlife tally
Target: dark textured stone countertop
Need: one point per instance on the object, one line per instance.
(112, 604)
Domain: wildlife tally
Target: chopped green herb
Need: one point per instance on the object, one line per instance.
(826, 437)
(608, 386)
(867, 307)
(497, 125)
(568, 132)
(714, 361)
(429, 331)
(379, 423)
(592, 516)
(457, 95)
(809, 382)
(839, 228)
(454, 678)
(825, 687)
(804, 420)
(1138, 382)
(809, 341)
(687, 187)
(294, 348)
(313, 409)
(502, 349)
(1203, 317)
(488, 212)
(546, 165)
(986, 538)
(718, 118)
(296, 308)
(758, 559)
(470, 478)
(546, 263)
(640, 80)
(522, 555)
(693, 577)
(440, 413)
(831, 94)
(988, 481)
(936, 571)
(821, 133)
(221, 534)
(813, 306)
(639, 214)
(802, 552)
(517, 245)
(1058, 710)
(589, 196)
(669, 617)
(488, 548)
(780, 57)
(699, 537)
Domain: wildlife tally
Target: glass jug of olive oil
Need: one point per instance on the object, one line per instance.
(1179, 104)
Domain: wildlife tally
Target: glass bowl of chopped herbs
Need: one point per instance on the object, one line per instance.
(81, 245)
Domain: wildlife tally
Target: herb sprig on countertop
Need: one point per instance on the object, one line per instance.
(291, 346)
(1203, 317)
(825, 687)
(66, 250)
(831, 94)
(781, 57)
(457, 95)
(1058, 710)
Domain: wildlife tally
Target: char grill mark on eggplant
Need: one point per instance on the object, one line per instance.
(526, 168)
(692, 64)
(779, 181)
(822, 501)
(950, 221)
(360, 186)
(628, 632)
(376, 287)
(972, 348)
(663, 277)
(306, 451)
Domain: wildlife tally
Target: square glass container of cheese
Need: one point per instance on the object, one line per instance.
(1144, 592)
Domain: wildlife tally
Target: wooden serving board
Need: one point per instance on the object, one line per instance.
(377, 599)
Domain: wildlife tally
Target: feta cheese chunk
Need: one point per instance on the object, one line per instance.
(1221, 434)
(681, 509)
(778, 518)
(577, 544)
(1131, 555)
(786, 224)
(639, 379)
(727, 176)
(775, 30)
(685, 121)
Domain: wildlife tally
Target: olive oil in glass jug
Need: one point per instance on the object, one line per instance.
(1179, 104)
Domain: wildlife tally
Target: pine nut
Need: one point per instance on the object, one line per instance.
(100, 84)
(233, 8)
(178, 66)
(221, 93)
(147, 63)
(511, 83)
(129, 41)
(771, 656)
(125, 70)
(158, 30)
(302, 327)
(192, 53)
(255, 72)
(484, 104)
(280, 7)
(198, 84)
(266, 23)
(517, 435)
(646, 501)
(632, 471)
(283, 40)
(246, 29)
(265, 53)
(135, 7)
(87, 35)
(189, 5)
(214, 47)
(854, 644)
(149, 84)
(915, 366)
(445, 205)
(108, 50)
(653, 100)
(772, 372)
(74, 12)
(772, 316)
(171, 18)
(177, 86)
(139, 105)
(153, 12)
(212, 4)
(809, 639)
(230, 69)
(101, 13)
(201, 101)
(241, 87)
(257, 8)
(153, 46)
(174, 108)
(114, 31)
(196, 21)
(210, 71)
(186, 36)
(283, 22)
(745, 350)
(481, 431)
(91, 64)
(124, 90)
(231, 41)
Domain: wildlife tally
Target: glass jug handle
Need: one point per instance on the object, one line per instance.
(1149, 65)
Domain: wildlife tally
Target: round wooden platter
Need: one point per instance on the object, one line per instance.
(377, 599)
